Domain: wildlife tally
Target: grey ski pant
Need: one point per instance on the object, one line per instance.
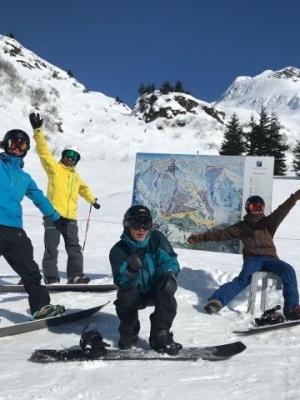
(73, 249)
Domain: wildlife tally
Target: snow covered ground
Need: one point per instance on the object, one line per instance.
(267, 369)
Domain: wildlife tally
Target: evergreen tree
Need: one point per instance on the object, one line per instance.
(233, 143)
(166, 88)
(275, 146)
(258, 134)
(178, 87)
(296, 160)
(141, 89)
(70, 73)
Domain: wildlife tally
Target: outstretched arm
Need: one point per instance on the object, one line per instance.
(231, 232)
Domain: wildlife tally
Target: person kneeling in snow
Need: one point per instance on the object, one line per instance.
(256, 232)
(145, 267)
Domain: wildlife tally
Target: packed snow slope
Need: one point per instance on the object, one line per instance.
(109, 134)
(269, 365)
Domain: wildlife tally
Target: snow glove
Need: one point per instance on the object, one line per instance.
(35, 120)
(61, 224)
(134, 264)
(168, 284)
(92, 344)
(195, 238)
(96, 205)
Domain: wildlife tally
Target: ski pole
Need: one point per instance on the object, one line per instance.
(87, 228)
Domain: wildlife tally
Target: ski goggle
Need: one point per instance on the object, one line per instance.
(18, 143)
(258, 207)
(73, 155)
(137, 224)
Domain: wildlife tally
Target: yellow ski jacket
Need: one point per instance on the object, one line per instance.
(64, 183)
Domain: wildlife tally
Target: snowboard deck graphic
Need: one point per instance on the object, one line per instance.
(266, 328)
(34, 325)
(211, 353)
(85, 287)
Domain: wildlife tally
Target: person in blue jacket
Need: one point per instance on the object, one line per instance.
(15, 246)
(145, 267)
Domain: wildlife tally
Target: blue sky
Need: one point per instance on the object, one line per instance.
(113, 46)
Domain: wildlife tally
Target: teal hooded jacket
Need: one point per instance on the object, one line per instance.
(14, 185)
(156, 254)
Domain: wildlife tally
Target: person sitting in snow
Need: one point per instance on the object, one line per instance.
(64, 186)
(15, 246)
(256, 232)
(145, 267)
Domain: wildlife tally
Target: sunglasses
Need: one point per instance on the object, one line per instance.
(72, 154)
(18, 143)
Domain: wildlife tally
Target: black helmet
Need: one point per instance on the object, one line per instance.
(15, 135)
(137, 216)
(255, 203)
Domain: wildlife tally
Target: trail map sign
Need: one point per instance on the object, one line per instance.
(194, 193)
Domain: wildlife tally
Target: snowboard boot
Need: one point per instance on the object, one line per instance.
(48, 311)
(163, 342)
(213, 306)
(127, 341)
(92, 344)
(51, 281)
(293, 314)
(79, 279)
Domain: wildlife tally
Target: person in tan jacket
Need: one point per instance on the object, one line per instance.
(64, 187)
(256, 232)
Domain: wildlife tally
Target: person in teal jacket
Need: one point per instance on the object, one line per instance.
(15, 246)
(145, 267)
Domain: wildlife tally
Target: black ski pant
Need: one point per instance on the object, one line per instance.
(129, 301)
(17, 250)
(73, 249)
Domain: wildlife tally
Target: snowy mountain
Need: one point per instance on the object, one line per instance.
(103, 127)
(278, 91)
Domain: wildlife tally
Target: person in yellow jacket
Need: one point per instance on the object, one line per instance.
(64, 186)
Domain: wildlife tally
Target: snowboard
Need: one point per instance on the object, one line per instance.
(62, 288)
(34, 325)
(267, 328)
(210, 353)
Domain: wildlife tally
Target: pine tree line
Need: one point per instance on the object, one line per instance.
(262, 138)
(165, 88)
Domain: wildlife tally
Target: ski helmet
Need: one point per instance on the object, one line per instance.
(71, 151)
(255, 203)
(137, 217)
(16, 138)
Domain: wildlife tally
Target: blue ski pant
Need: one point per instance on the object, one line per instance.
(253, 264)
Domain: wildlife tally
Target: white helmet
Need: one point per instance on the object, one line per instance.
(71, 148)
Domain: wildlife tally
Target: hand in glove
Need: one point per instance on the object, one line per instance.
(134, 264)
(296, 195)
(169, 283)
(35, 120)
(92, 344)
(61, 224)
(96, 205)
(195, 238)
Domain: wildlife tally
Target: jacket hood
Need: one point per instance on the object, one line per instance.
(12, 159)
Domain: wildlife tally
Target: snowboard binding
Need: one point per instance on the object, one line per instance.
(92, 344)
(270, 317)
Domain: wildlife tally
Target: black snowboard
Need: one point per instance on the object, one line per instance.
(267, 328)
(34, 325)
(211, 353)
(88, 287)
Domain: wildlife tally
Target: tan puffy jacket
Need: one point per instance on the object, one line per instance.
(64, 183)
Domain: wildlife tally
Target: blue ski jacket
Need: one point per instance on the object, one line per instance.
(14, 185)
(156, 254)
